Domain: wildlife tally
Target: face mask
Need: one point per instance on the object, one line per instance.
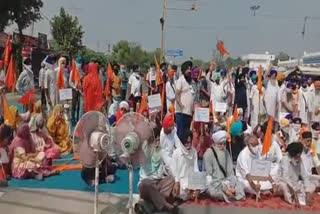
(296, 127)
(289, 90)
(285, 130)
(255, 150)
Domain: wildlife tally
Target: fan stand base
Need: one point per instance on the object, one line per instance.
(130, 201)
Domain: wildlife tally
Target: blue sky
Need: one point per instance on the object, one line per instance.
(196, 33)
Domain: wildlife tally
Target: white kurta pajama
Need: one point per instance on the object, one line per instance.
(315, 104)
(305, 107)
(275, 156)
(310, 162)
(168, 144)
(184, 162)
(50, 83)
(256, 100)
(243, 169)
(290, 174)
(271, 100)
(170, 93)
(25, 81)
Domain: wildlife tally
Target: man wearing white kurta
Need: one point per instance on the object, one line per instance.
(170, 89)
(305, 108)
(243, 168)
(257, 106)
(184, 161)
(271, 96)
(25, 81)
(316, 102)
(50, 84)
(169, 141)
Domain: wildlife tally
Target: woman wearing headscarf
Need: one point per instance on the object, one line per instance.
(25, 81)
(25, 161)
(6, 136)
(42, 141)
(17, 118)
(59, 130)
(92, 89)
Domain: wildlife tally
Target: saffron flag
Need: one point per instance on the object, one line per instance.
(313, 150)
(11, 77)
(107, 91)
(28, 98)
(228, 129)
(144, 104)
(212, 65)
(267, 138)
(235, 115)
(222, 49)
(75, 73)
(158, 74)
(8, 117)
(7, 52)
(259, 83)
(60, 80)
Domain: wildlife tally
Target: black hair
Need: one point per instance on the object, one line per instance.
(174, 67)
(135, 67)
(5, 132)
(156, 131)
(1, 120)
(185, 136)
(306, 135)
(294, 149)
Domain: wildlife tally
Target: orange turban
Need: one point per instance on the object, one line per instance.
(317, 84)
(281, 77)
(168, 121)
(170, 73)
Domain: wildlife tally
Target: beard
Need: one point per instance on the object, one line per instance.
(188, 78)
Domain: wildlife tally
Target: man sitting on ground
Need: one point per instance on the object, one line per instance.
(222, 182)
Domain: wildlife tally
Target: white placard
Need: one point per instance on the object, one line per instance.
(154, 101)
(201, 115)
(220, 107)
(197, 180)
(260, 168)
(3, 156)
(65, 94)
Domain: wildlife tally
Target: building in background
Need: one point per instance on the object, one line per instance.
(254, 61)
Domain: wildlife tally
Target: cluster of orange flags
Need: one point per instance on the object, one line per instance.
(222, 49)
(107, 91)
(267, 138)
(259, 83)
(7, 51)
(60, 80)
(11, 76)
(75, 77)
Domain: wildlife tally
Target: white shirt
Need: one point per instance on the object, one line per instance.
(183, 166)
(41, 77)
(168, 144)
(135, 82)
(186, 96)
(170, 93)
(309, 162)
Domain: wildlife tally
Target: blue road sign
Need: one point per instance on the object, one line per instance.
(174, 53)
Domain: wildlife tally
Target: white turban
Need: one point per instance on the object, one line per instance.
(219, 137)
(124, 104)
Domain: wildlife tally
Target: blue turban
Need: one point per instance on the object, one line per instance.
(254, 78)
(79, 59)
(223, 72)
(289, 117)
(303, 80)
(291, 85)
(236, 128)
(112, 119)
(253, 72)
(273, 72)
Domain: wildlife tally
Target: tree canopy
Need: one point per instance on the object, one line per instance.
(67, 33)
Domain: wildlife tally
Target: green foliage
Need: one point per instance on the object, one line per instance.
(21, 12)
(67, 33)
(282, 56)
(90, 55)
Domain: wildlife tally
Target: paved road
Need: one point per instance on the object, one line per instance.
(42, 201)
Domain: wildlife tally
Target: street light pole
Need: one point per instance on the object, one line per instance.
(162, 22)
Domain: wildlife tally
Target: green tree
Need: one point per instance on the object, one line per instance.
(282, 56)
(90, 55)
(129, 53)
(67, 33)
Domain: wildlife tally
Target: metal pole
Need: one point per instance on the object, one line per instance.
(130, 202)
(162, 22)
(96, 185)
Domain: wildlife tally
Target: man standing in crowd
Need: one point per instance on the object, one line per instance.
(50, 83)
(135, 86)
(184, 99)
(124, 81)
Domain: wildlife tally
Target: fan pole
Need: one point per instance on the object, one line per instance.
(130, 202)
(96, 185)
